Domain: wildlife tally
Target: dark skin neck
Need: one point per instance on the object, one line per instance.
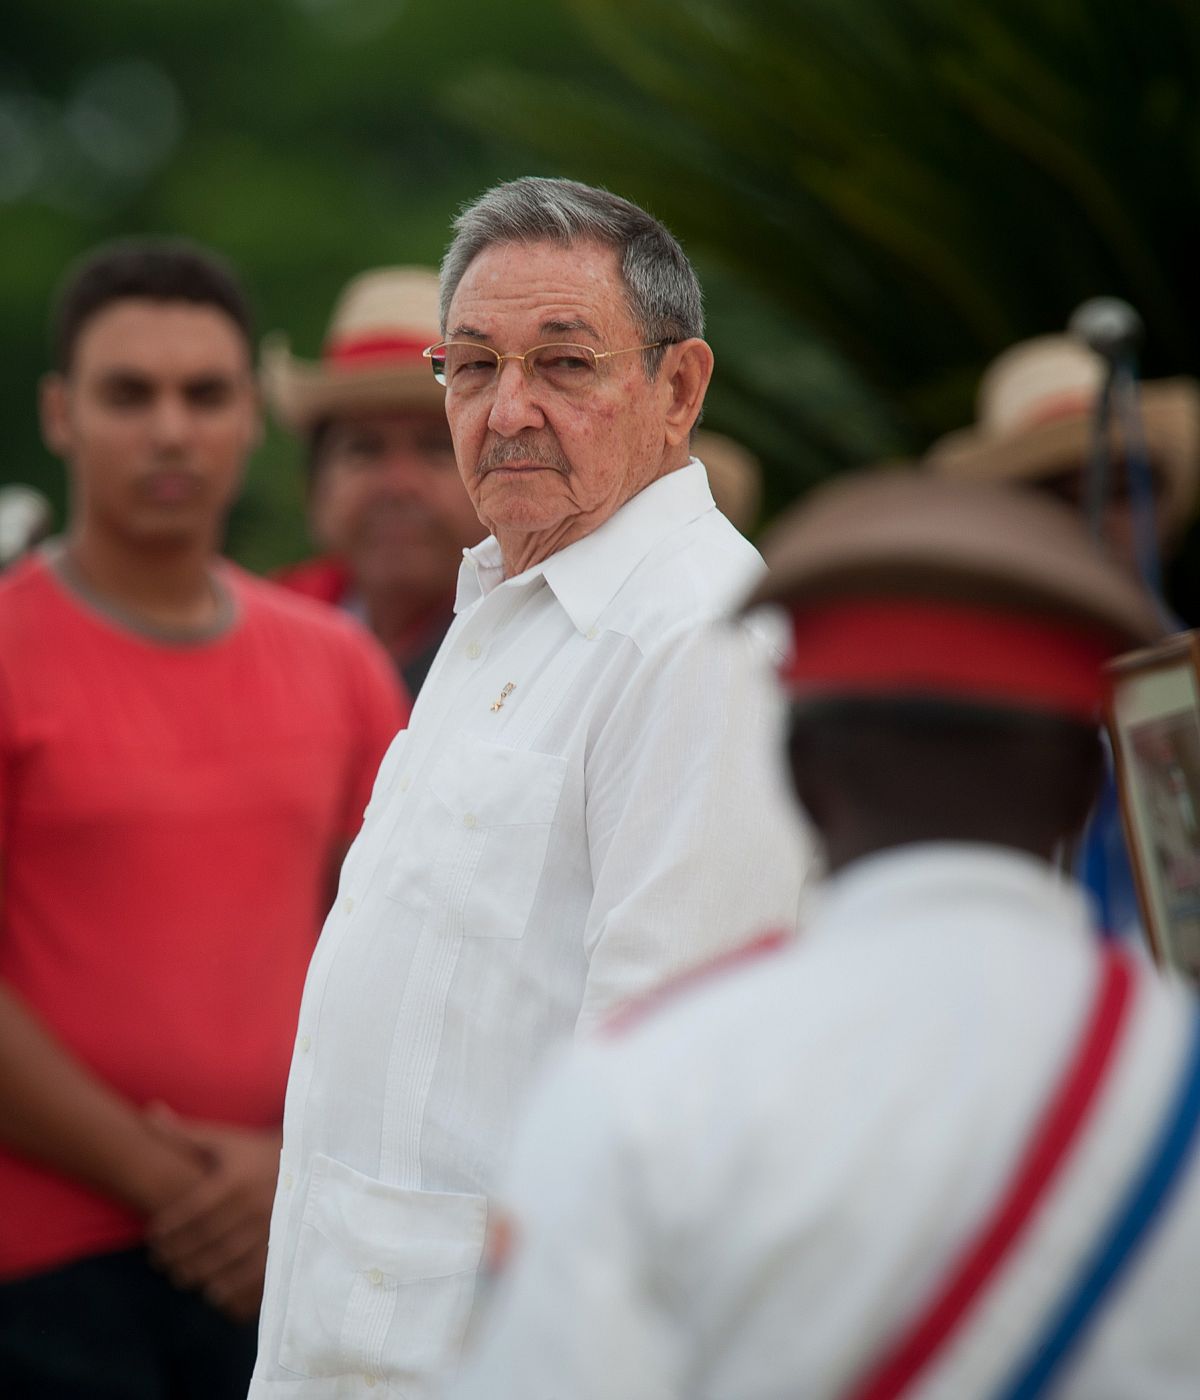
(873, 775)
(166, 583)
(852, 840)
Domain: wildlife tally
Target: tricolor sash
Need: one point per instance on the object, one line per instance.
(1058, 1130)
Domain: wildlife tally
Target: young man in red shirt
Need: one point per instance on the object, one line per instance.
(185, 752)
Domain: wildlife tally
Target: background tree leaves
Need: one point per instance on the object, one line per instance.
(881, 194)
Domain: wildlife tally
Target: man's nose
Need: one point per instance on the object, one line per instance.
(515, 404)
(170, 420)
(405, 470)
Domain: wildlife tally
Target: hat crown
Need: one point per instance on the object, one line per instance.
(399, 302)
(371, 360)
(1037, 381)
(899, 533)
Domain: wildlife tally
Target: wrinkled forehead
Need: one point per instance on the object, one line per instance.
(542, 289)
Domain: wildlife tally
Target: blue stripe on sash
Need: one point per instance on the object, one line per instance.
(1129, 1227)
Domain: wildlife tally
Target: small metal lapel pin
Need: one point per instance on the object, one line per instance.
(504, 694)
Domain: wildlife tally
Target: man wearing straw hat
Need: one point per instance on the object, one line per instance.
(583, 801)
(1036, 405)
(1036, 402)
(386, 503)
(945, 1143)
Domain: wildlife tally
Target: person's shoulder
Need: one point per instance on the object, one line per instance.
(709, 565)
(698, 573)
(27, 590)
(269, 603)
(309, 628)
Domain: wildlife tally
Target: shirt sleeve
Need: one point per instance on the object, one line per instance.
(382, 706)
(695, 844)
(572, 1311)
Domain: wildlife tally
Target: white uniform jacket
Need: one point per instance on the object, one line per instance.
(586, 801)
(751, 1192)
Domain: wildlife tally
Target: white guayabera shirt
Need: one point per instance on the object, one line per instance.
(586, 801)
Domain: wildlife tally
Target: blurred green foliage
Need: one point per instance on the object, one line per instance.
(880, 194)
(309, 141)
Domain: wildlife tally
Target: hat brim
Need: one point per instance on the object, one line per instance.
(1170, 419)
(301, 393)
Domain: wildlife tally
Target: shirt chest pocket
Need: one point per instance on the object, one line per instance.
(494, 808)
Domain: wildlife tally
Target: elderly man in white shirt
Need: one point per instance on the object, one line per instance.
(583, 804)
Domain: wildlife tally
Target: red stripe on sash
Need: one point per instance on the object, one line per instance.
(1046, 1151)
(637, 1009)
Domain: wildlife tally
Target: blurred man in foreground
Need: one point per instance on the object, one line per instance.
(386, 503)
(585, 783)
(943, 1144)
(185, 752)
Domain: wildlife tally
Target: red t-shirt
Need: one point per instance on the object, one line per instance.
(169, 818)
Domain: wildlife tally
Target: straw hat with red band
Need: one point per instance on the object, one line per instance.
(898, 583)
(372, 353)
(1034, 420)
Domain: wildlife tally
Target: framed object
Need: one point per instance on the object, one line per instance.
(1154, 725)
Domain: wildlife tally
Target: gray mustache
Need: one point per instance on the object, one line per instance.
(531, 450)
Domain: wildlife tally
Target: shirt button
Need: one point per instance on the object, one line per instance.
(376, 1277)
(305, 1044)
(348, 903)
(288, 1181)
(469, 820)
(592, 634)
(369, 1382)
(474, 650)
(405, 783)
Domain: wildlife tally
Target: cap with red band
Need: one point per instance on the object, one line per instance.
(901, 583)
(924, 647)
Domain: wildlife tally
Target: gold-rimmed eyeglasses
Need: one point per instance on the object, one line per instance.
(467, 367)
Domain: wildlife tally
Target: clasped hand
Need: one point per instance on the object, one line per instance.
(214, 1237)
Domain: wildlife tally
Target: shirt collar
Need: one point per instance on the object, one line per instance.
(587, 575)
(877, 890)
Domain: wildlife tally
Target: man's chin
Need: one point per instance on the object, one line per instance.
(178, 533)
(516, 516)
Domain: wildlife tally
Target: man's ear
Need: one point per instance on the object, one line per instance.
(687, 368)
(54, 410)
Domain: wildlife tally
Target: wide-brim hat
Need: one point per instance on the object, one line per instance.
(371, 358)
(1035, 408)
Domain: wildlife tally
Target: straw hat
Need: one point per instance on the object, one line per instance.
(372, 353)
(902, 533)
(1034, 420)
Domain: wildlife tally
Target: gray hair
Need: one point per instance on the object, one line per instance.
(661, 286)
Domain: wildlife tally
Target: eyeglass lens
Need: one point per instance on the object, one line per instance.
(466, 367)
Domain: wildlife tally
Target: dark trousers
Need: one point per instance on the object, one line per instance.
(112, 1328)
